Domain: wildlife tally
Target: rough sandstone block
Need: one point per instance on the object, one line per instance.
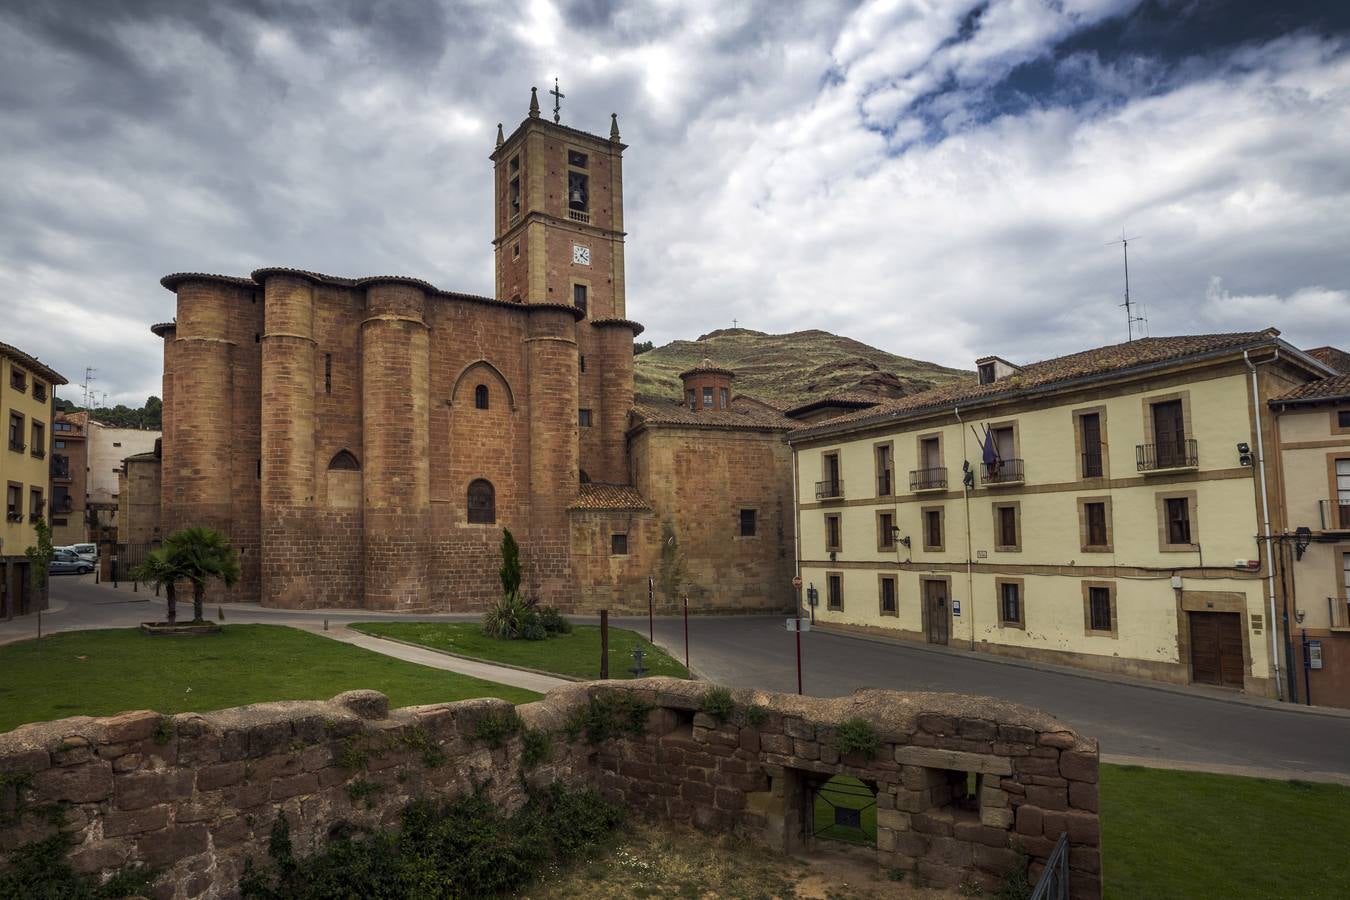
(1030, 821)
(117, 823)
(1083, 795)
(1077, 766)
(1064, 740)
(88, 783)
(130, 726)
(994, 817)
(1046, 797)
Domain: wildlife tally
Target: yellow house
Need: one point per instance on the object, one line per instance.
(1103, 510)
(26, 395)
(1313, 434)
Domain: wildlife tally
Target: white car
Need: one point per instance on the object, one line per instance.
(86, 552)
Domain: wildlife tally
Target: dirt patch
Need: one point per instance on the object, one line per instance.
(648, 861)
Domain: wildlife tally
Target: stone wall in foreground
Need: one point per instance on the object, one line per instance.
(195, 795)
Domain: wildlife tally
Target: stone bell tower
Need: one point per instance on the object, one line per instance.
(559, 242)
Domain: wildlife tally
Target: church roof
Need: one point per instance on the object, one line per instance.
(707, 367)
(594, 495)
(647, 411)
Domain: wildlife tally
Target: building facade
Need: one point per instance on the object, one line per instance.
(1313, 438)
(70, 475)
(364, 441)
(27, 390)
(1104, 510)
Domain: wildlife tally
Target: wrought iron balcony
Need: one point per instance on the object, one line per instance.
(1005, 471)
(1183, 454)
(830, 490)
(64, 505)
(39, 392)
(1339, 607)
(928, 479)
(60, 467)
(1335, 514)
(17, 446)
(39, 453)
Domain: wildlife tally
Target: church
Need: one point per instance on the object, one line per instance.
(364, 441)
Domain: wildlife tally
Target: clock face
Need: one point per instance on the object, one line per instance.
(581, 255)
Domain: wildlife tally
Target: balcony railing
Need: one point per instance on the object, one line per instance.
(830, 490)
(39, 453)
(928, 479)
(60, 467)
(17, 446)
(1005, 471)
(577, 215)
(39, 393)
(64, 505)
(1092, 465)
(1339, 607)
(1335, 514)
(1183, 454)
(885, 484)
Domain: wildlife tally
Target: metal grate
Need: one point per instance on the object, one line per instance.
(1183, 454)
(1054, 883)
(844, 809)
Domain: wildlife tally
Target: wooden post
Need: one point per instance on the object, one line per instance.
(604, 644)
(686, 632)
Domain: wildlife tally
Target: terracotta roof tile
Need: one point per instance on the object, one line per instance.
(652, 412)
(1049, 373)
(1334, 388)
(1336, 358)
(594, 495)
(707, 367)
(32, 364)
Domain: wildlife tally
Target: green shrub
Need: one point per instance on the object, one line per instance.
(1015, 885)
(857, 736)
(756, 715)
(352, 756)
(360, 789)
(534, 630)
(718, 704)
(433, 757)
(553, 621)
(537, 747)
(40, 870)
(163, 730)
(506, 618)
(467, 848)
(608, 715)
(496, 726)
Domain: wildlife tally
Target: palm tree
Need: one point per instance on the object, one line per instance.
(161, 567)
(201, 554)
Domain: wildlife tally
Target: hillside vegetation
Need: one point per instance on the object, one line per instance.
(788, 369)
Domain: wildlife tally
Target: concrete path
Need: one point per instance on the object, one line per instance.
(532, 681)
(1135, 721)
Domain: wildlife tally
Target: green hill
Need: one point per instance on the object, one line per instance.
(788, 369)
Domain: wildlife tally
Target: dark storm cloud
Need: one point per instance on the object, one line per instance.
(894, 158)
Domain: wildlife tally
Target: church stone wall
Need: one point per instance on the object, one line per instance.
(195, 795)
(699, 479)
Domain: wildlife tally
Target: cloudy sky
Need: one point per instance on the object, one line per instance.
(939, 178)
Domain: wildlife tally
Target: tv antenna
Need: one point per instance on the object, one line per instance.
(88, 377)
(1132, 317)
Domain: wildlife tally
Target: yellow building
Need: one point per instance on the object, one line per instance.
(26, 394)
(1313, 434)
(1116, 521)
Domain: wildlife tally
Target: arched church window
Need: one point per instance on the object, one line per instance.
(482, 502)
(343, 460)
(480, 397)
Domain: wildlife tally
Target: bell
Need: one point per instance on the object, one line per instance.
(578, 197)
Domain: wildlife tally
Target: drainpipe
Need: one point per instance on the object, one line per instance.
(970, 554)
(796, 534)
(1273, 628)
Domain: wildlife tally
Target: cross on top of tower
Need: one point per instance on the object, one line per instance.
(557, 100)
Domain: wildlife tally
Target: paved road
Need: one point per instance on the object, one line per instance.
(1130, 719)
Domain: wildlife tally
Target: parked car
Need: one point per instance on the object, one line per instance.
(67, 562)
(88, 552)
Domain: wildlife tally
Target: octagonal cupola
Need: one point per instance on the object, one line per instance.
(707, 386)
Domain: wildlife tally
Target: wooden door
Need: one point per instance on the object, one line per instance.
(936, 612)
(1216, 648)
(1169, 433)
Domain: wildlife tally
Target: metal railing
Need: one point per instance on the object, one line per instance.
(928, 479)
(577, 215)
(1335, 514)
(1183, 454)
(17, 446)
(1004, 471)
(39, 393)
(830, 490)
(1093, 465)
(1054, 882)
(1339, 608)
(60, 467)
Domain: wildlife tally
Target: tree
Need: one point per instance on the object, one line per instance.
(641, 347)
(510, 572)
(161, 568)
(40, 557)
(202, 554)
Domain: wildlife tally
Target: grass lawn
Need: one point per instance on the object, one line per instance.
(844, 792)
(576, 654)
(100, 673)
(1187, 834)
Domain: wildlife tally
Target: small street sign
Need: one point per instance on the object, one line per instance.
(956, 607)
(796, 581)
(796, 624)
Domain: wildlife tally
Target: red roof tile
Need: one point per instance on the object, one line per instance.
(594, 495)
(1337, 387)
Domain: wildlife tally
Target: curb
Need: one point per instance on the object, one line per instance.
(1177, 765)
(1236, 700)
